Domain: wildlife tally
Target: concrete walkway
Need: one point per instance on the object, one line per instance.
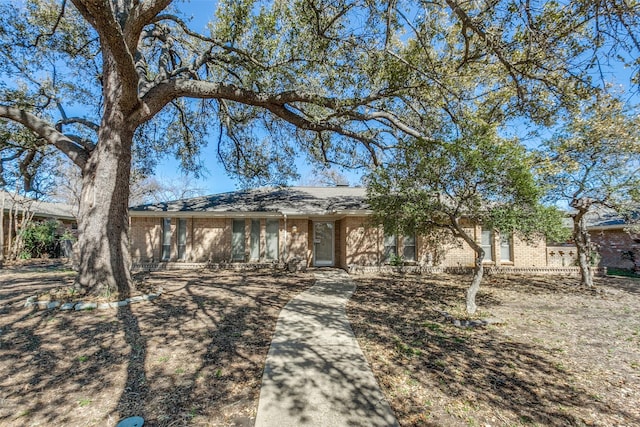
(316, 374)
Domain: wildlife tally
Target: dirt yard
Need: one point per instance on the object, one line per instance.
(194, 356)
(560, 356)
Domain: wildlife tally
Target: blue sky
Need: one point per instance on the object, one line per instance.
(215, 179)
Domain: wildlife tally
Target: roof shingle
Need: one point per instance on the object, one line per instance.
(287, 200)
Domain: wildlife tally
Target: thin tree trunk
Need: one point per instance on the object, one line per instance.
(10, 234)
(2, 249)
(27, 216)
(478, 269)
(583, 247)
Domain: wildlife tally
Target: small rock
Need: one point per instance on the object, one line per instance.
(85, 306)
(67, 306)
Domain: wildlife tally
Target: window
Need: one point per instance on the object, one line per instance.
(390, 247)
(487, 244)
(254, 251)
(237, 240)
(391, 244)
(182, 238)
(166, 239)
(273, 228)
(409, 248)
(505, 247)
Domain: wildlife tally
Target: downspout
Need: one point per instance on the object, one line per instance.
(286, 235)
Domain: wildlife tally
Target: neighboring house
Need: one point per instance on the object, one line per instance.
(616, 241)
(318, 226)
(16, 208)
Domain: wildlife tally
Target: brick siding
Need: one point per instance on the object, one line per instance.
(357, 242)
(617, 248)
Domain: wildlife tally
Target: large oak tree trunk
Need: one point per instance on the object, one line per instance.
(103, 222)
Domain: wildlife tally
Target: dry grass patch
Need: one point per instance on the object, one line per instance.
(194, 356)
(562, 355)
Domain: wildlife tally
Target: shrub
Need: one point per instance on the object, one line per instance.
(38, 239)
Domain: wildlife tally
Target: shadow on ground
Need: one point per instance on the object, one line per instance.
(193, 356)
(436, 374)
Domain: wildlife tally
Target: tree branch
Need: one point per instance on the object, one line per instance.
(226, 47)
(47, 132)
(100, 15)
(142, 14)
(77, 120)
(55, 25)
(163, 93)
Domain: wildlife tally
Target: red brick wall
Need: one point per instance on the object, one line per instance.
(615, 246)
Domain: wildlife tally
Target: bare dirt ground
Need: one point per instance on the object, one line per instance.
(194, 356)
(561, 356)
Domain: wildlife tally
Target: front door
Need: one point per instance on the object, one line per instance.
(323, 247)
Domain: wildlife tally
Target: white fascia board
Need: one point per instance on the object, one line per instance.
(608, 227)
(355, 212)
(187, 214)
(235, 214)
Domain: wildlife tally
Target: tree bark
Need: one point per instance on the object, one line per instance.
(583, 247)
(478, 269)
(10, 234)
(478, 272)
(103, 221)
(103, 255)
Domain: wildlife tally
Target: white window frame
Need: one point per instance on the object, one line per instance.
(272, 239)
(409, 238)
(506, 243)
(238, 240)
(488, 247)
(165, 248)
(254, 240)
(390, 247)
(182, 238)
